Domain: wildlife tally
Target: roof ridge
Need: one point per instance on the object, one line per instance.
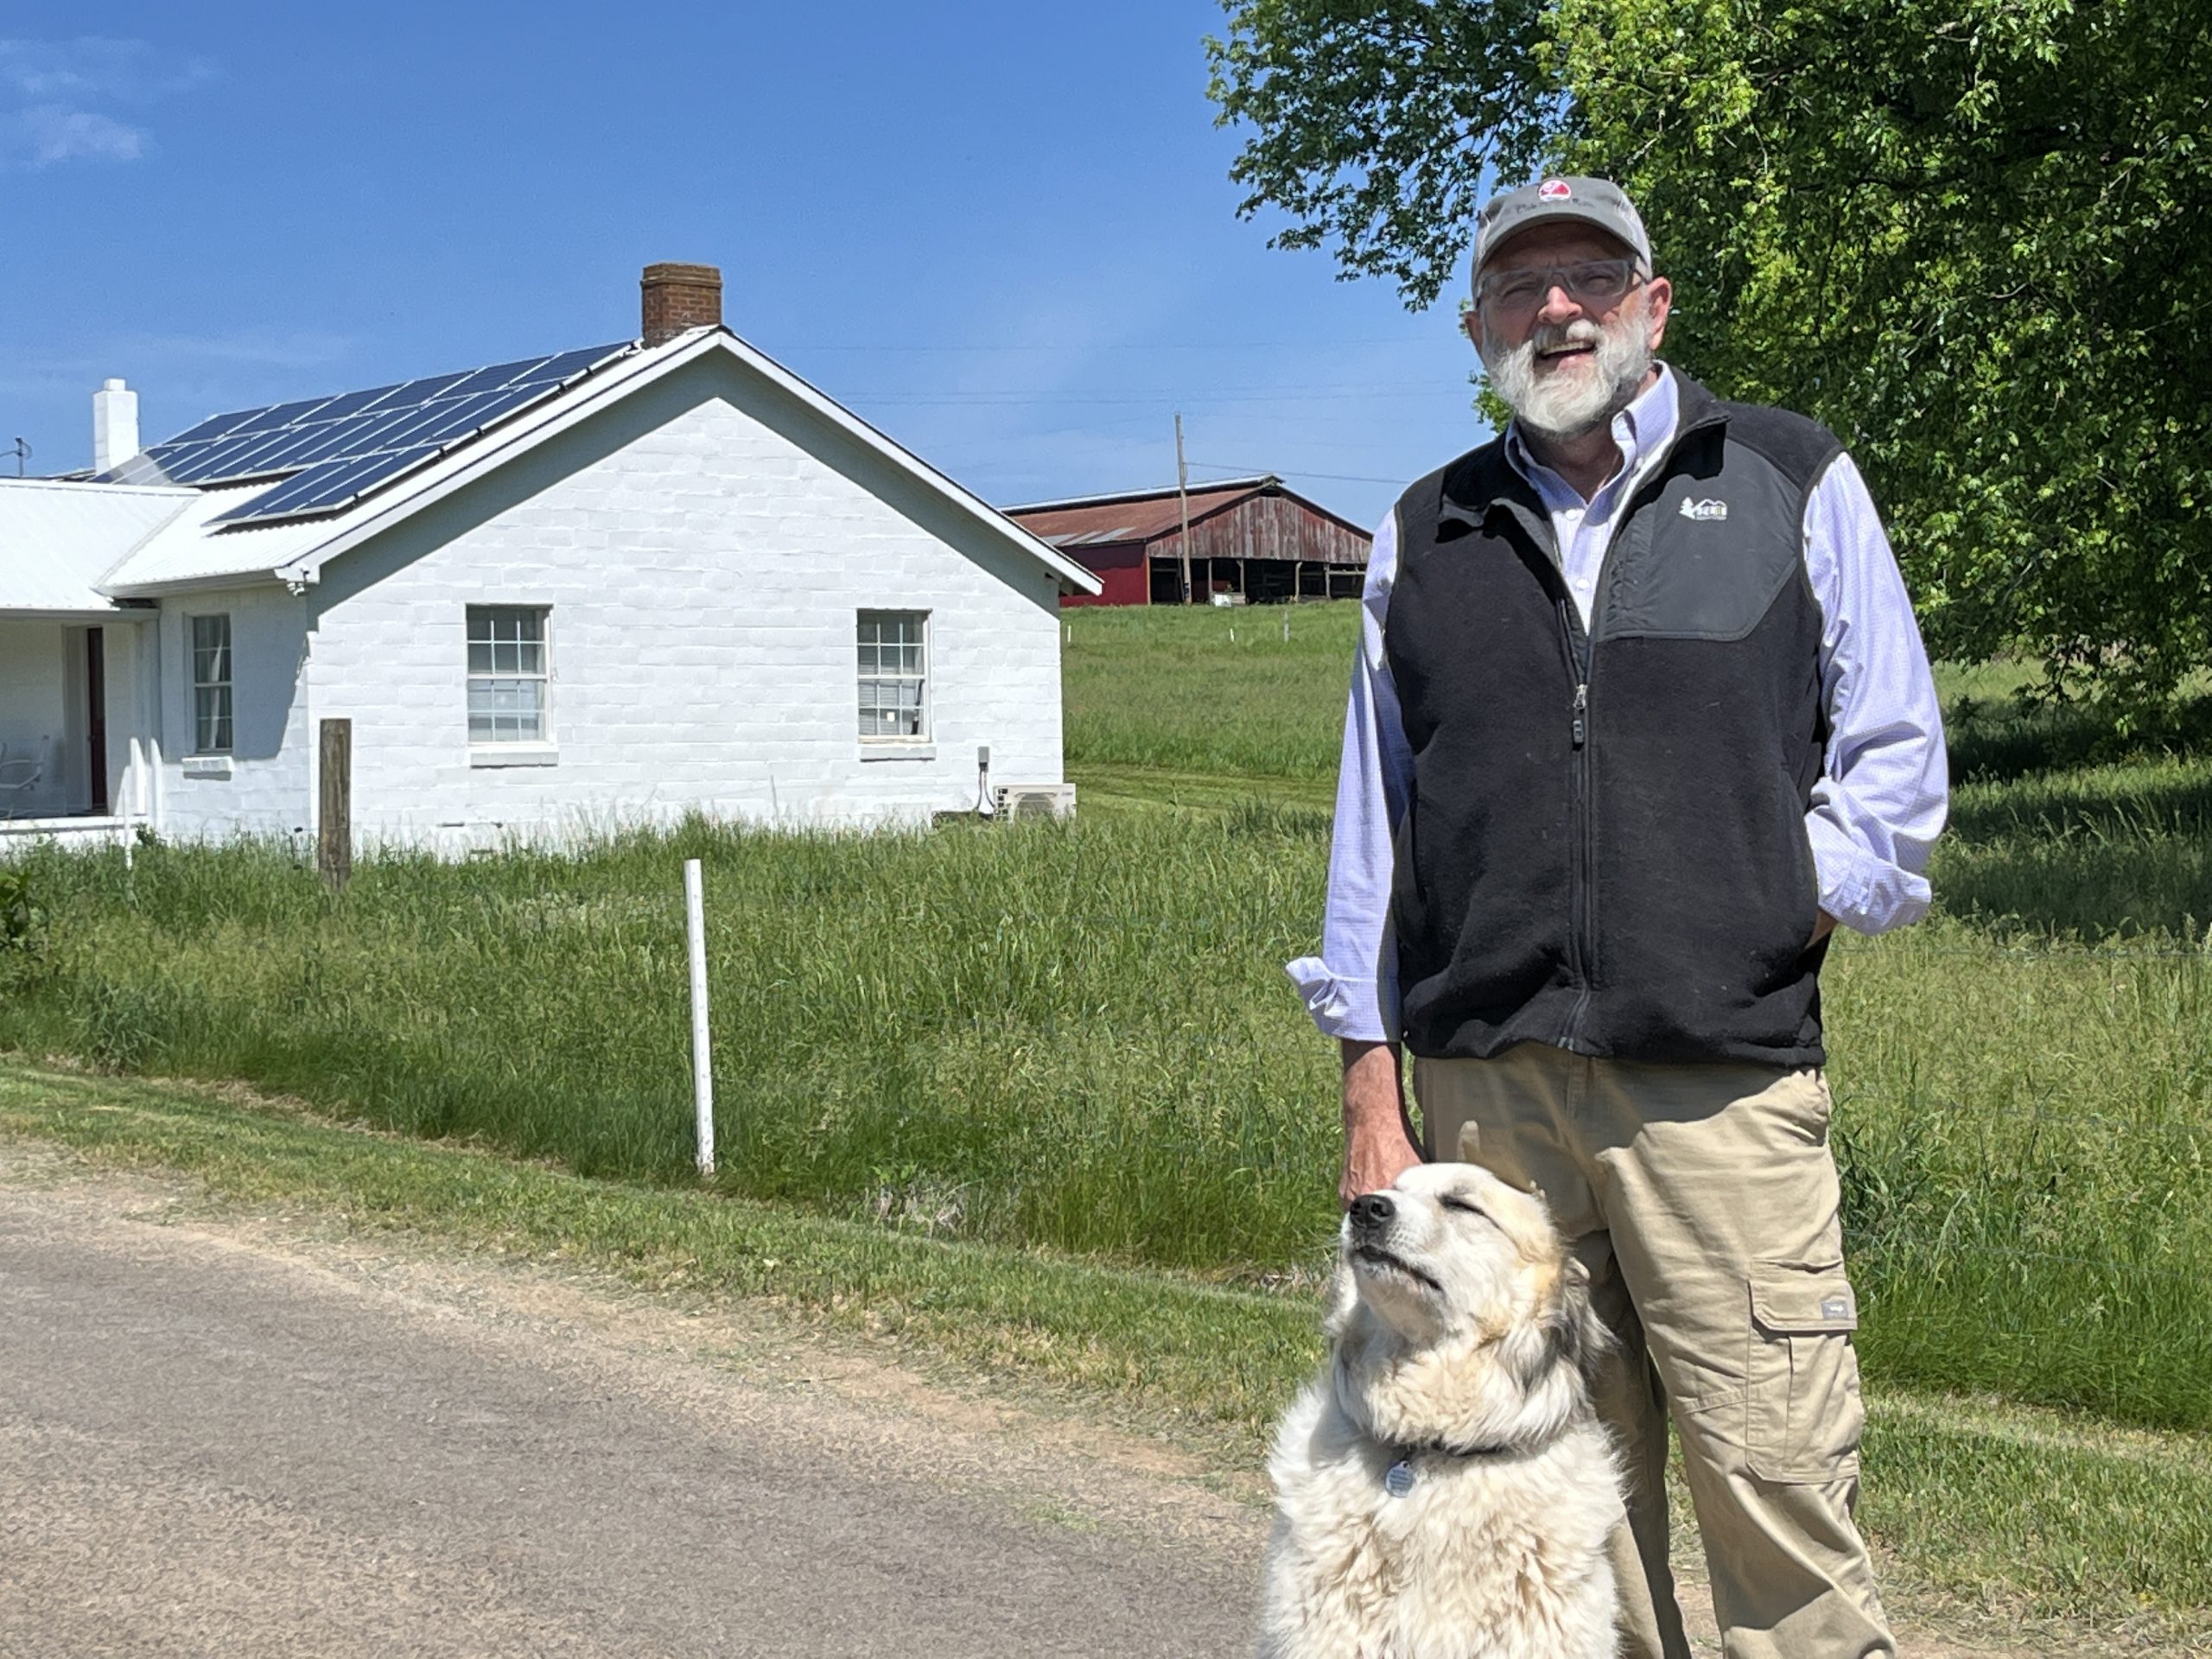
(98, 484)
(1114, 497)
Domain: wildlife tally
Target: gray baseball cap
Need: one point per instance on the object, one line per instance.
(1597, 203)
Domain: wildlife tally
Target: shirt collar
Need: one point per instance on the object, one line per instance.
(1645, 428)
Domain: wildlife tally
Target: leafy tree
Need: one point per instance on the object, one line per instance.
(1975, 237)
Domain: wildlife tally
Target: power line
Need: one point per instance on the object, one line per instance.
(1311, 348)
(1293, 471)
(1011, 399)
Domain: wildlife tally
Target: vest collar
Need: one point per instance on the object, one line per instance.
(1484, 481)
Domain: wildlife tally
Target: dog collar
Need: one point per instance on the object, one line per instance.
(1401, 1477)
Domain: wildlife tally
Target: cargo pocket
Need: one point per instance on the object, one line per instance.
(1805, 1413)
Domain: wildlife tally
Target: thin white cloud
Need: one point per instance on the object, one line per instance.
(46, 133)
(51, 92)
(92, 68)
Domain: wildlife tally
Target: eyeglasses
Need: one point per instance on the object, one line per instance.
(1594, 283)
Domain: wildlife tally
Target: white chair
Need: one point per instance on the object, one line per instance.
(18, 778)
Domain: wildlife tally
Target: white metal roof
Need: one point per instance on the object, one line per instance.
(189, 551)
(58, 537)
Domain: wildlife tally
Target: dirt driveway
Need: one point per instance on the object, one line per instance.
(228, 1439)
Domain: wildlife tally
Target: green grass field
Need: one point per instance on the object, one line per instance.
(1081, 1038)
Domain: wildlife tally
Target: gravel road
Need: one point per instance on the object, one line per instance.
(237, 1434)
(231, 1437)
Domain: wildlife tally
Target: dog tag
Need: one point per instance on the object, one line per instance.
(1400, 1480)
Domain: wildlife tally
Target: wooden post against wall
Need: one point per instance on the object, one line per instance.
(335, 839)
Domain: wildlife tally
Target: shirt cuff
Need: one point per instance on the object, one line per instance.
(1861, 892)
(1342, 1006)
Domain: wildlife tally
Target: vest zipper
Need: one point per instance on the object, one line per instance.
(1585, 924)
(1582, 948)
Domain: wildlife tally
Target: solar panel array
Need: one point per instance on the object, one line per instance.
(335, 450)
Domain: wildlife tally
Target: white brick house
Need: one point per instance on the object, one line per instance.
(682, 579)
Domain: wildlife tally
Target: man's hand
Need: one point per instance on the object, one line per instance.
(1821, 929)
(1378, 1134)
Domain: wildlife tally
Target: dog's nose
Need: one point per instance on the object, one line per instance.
(1372, 1210)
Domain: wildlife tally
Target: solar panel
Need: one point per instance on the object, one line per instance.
(556, 369)
(490, 379)
(332, 481)
(280, 414)
(331, 451)
(352, 402)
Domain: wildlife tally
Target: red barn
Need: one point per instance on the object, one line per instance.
(1251, 540)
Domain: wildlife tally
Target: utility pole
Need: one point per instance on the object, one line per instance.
(1182, 496)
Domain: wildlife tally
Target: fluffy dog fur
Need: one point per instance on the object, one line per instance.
(1462, 1337)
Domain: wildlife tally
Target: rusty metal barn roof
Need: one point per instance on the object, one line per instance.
(1147, 515)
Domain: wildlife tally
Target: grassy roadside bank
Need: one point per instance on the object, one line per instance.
(2041, 1514)
(1080, 1038)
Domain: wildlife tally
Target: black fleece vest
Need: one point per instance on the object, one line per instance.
(1606, 845)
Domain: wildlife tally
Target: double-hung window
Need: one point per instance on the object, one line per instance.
(894, 676)
(210, 684)
(507, 676)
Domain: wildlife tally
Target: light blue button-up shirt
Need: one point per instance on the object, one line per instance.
(1876, 811)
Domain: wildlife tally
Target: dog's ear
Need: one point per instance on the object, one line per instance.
(1573, 1333)
(1569, 1329)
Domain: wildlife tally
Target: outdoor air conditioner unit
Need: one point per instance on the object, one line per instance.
(1013, 802)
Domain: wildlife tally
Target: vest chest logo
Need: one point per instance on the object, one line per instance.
(1712, 509)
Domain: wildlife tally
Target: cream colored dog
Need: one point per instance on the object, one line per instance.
(1443, 1490)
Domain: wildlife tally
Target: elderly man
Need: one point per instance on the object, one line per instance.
(1640, 713)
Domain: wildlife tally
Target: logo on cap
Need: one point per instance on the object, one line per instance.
(1553, 190)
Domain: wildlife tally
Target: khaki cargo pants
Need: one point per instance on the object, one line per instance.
(1703, 1199)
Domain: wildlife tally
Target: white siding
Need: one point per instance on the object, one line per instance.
(704, 547)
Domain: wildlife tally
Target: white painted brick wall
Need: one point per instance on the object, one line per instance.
(267, 792)
(704, 552)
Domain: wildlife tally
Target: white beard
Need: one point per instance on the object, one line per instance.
(1564, 406)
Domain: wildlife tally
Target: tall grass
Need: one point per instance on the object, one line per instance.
(1076, 1036)
(2025, 1141)
(1171, 688)
(1080, 1036)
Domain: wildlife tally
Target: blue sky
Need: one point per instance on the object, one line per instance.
(1002, 232)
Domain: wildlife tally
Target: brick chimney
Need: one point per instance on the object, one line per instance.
(677, 297)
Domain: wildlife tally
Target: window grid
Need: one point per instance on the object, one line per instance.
(210, 684)
(895, 674)
(507, 676)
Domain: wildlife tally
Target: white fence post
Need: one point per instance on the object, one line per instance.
(702, 1075)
